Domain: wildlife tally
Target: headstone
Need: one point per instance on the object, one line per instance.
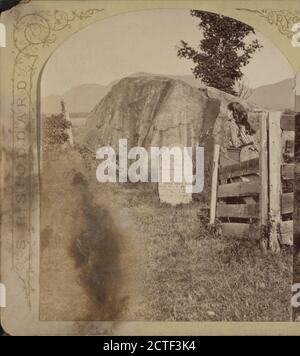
(172, 192)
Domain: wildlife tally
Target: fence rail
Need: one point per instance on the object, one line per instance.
(255, 197)
(239, 169)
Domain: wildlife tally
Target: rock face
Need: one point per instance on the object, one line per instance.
(159, 111)
(153, 111)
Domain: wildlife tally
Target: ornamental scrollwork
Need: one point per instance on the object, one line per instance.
(282, 19)
(40, 29)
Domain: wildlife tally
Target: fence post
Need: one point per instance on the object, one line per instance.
(264, 181)
(275, 179)
(214, 184)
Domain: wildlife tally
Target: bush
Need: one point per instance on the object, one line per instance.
(55, 127)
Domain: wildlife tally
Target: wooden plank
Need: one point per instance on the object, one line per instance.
(275, 160)
(240, 230)
(239, 189)
(287, 122)
(238, 210)
(288, 171)
(297, 168)
(287, 203)
(250, 178)
(287, 233)
(214, 184)
(240, 169)
(263, 171)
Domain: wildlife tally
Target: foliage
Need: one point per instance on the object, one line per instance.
(224, 49)
(55, 128)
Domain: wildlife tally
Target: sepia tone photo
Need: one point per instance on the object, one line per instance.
(148, 251)
(149, 167)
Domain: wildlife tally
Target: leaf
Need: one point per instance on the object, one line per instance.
(223, 50)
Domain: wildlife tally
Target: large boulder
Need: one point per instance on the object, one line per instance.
(159, 111)
(151, 111)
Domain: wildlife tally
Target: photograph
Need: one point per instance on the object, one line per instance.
(144, 250)
(150, 168)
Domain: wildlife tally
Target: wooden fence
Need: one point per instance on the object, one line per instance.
(254, 198)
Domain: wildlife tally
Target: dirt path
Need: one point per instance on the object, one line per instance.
(92, 257)
(132, 250)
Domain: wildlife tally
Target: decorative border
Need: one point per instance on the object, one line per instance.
(138, 327)
(282, 19)
(32, 33)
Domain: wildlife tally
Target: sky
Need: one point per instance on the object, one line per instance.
(143, 41)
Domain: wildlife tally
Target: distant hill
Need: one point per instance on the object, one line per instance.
(83, 98)
(189, 79)
(79, 99)
(278, 96)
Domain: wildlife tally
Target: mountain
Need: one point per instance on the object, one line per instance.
(278, 96)
(189, 79)
(83, 98)
(79, 99)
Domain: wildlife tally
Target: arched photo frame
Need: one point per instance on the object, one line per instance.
(34, 32)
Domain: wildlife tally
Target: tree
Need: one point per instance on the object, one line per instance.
(223, 50)
(55, 128)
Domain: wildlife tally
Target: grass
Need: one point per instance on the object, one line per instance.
(190, 274)
(193, 275)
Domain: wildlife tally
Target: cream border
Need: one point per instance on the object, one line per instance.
(34, 31)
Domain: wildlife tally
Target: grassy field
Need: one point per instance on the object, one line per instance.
(193, 275)
(167, 264)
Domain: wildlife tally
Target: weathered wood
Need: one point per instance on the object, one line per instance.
(275, 160)
(296, 215)
(287, 203)
(238, 210)
(239, 189)
(297, 168)
(240, 169)
(287, 122)
(263, 171)
(288, 171)
(229, 157)
(250, 178)
(214, 184)
(286, 236)
(240, 230)
(289, 146)
(272, 203)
